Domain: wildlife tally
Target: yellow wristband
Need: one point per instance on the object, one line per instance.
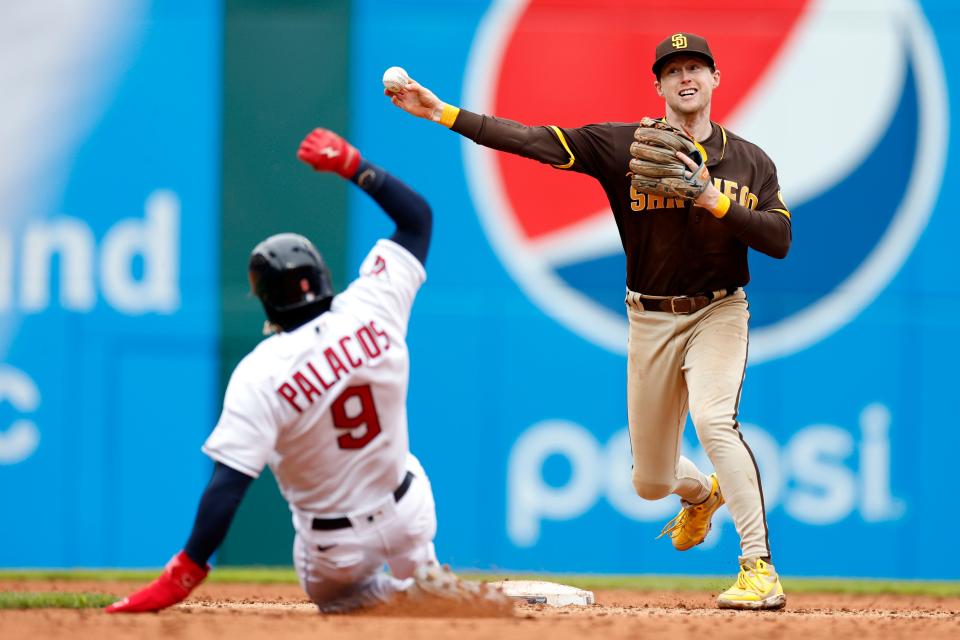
(723, 205)
(449, 115)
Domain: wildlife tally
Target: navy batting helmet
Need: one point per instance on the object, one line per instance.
(291, 279)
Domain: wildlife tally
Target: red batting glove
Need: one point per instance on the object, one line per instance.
(324, 150)
(179, 578)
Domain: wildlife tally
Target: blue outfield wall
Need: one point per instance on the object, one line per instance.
(109, 284)
(108, 278)
(517, 396)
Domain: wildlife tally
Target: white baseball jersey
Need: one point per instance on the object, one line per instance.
(325, 404)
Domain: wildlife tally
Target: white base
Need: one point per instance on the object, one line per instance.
(550, 593)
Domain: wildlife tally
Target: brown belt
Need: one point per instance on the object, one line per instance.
(678, 304)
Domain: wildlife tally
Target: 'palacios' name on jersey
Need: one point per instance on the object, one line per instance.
(342, 357)
(643, 201)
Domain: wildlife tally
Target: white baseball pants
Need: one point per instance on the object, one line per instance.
(342, 569)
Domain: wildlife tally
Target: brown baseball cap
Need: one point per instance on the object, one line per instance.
(678, 43)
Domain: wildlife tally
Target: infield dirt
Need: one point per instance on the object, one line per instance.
(279, 612)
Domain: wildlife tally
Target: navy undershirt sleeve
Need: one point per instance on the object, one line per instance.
(406, 208)
(217, 507)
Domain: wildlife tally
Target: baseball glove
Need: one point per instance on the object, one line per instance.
(655, 167)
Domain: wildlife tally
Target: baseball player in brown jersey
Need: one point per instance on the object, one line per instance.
(686, 268)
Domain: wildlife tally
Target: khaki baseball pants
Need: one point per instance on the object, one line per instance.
(678, 362)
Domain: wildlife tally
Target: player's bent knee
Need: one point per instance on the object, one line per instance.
(651, 490)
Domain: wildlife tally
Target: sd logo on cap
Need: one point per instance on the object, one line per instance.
(681, 43)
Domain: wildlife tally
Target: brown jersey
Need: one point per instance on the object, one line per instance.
(672, 247)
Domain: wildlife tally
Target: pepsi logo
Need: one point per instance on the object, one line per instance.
(848, 99)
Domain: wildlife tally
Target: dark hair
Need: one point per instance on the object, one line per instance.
(662, 63)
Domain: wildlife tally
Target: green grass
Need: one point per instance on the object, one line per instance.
(259, 575)
(53, 600)
(860, 586)
(275, 575)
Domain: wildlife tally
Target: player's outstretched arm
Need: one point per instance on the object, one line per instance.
(188, 568)
(417, 100)
(543, 144)
(324, 150)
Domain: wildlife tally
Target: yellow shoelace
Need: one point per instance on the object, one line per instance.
(750, 578)
(681, 518)
(674, 525)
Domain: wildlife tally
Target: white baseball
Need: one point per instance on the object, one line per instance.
(395, 79)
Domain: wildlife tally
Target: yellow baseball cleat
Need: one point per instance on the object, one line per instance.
(692, 524)
(757, 587)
